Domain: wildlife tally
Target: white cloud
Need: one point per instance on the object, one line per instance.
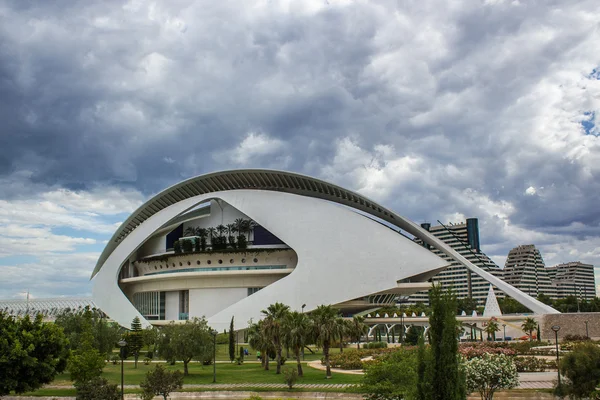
(253, 147)
(530, 191)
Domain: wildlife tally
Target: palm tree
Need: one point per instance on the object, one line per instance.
(211, 232)
(325, 319)
(231, 229)
(258, 339)
(221, 229)
(251, 225)
(357, 328)
(491, 328)
(295, 331)
(342, 330)
(189, 231)
(239, 225)
(274, 316)
(529, 325)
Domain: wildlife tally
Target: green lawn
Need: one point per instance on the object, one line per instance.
(223, 353)
(226, 373)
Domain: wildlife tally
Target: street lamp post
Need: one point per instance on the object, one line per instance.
(402, 328)
(303, 305)
(504, 326)
(214, 332)
(587, 332)
(122, 343)
(556, 328)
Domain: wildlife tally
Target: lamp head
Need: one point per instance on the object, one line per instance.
(122, 343)
(555, 328)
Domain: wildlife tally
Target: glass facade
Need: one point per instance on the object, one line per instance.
(150, 304)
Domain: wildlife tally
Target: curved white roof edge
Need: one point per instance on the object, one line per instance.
(298, 184)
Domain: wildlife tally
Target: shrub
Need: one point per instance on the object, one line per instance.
(489, 373)
(582, 368)
(177, 246)
(375, 345)
(160, 382)
(290, 376)
(150, 354)
(346, 360)
(147, 361)
(526, 348)
(283, 360)
(472, 350)
(187, 246)
(391, 376)
(97, 389)
(115, 359)
(530, 364)
(575, 338)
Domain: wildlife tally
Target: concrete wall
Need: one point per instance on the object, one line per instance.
(154, 245)
(172, 305)
(207, 302)
(570, 324)
(228, 215)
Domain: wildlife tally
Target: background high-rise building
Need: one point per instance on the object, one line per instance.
(464, 238)
(525, 270)
(573, 279)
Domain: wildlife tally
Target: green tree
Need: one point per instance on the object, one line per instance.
(491, 328)
(392, 376)
(357, 328)
(135, 339)
(151, 336)
(185, 342)
(413, 334)
(582, 367)
(231, 342)
(260, 341)
(467, 304)
(443, 331)
(489, 373)
(105, 334)
(296, 329)
(97, 389)
(325, 320)
(32, 352)
(160, 382)
(529, 325)
(423, 389)
(274, 316)
(511, 306)
(86, 363)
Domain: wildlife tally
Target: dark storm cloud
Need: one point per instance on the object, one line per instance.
(439, 112)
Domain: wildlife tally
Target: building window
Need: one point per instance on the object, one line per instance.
(184, 304)
(252, 290)
(150, 304)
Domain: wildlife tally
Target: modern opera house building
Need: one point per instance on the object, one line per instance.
(228, 244)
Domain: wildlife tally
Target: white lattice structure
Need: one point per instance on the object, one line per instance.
(49, 308)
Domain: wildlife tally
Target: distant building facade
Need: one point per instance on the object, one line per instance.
(464, 238)
(573, 279)
(525, 270)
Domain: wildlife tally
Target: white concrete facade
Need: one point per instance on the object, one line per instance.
(342, 255)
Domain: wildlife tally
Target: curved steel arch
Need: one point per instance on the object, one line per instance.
(294, 183)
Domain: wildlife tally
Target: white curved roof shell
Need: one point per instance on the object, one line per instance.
(341, 254)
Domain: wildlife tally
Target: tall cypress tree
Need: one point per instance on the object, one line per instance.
(231, 342)
(446, 377)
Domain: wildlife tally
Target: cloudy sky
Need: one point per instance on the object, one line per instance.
(439, 110)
